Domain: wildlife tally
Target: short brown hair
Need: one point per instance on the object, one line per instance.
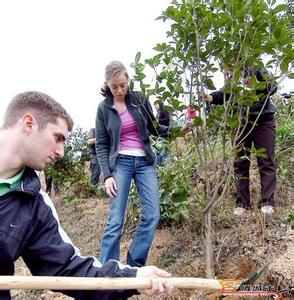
(44, 108)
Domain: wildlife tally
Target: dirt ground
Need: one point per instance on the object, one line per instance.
(244, 246)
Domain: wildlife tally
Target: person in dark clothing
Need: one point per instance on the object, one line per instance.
(94, 165)
(163, 118)
(29, 226)
(260, 132)
(49, 182)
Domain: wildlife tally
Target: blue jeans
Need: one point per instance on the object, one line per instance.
(145, 177)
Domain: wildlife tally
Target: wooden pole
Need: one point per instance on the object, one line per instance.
(104, 283)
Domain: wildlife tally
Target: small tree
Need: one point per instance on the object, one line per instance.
(69, 171)
(210, 36)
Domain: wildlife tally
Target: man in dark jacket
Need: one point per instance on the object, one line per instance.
(259, 131)
(29, 226)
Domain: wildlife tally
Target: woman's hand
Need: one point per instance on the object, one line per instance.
(110, 187)
(159, 280)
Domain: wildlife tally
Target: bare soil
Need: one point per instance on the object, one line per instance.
(242, 246)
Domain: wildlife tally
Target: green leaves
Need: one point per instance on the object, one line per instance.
(260, 152)
(290, 218)
(284, 66)
(197, 121)
(208, 83)
(218, 35)
(277, 31)
(137, 58)
(69, 171)
(280, 8)
(174, 191)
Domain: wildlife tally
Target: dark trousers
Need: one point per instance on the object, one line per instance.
(262, 136)
(95, 170)
(49, 182)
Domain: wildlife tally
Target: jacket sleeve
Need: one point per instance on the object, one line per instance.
(261, 75)
(102, 143)
(218, 97)
(50, 252)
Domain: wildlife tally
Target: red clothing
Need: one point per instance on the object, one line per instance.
(191, 113)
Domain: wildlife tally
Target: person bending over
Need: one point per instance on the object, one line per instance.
(33, 133)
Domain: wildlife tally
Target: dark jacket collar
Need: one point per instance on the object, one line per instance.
(30, 183)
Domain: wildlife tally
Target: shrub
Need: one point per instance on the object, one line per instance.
(69, 172)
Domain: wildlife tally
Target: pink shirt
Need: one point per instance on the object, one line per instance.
(129, 137)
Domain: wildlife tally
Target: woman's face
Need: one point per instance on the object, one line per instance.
(118, 86)
(157, 107)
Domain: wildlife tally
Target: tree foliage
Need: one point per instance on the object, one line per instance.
(69, 172)
(205, 37)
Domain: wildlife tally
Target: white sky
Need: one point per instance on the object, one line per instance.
(61, 47)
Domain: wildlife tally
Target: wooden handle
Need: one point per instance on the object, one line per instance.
(90, 283)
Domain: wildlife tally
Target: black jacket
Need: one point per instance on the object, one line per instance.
(29, 227)
(163, 118)
(108, 126)
(264, 106)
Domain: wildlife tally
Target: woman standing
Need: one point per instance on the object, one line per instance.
(124, 123)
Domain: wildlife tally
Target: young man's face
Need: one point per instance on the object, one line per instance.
(46, 145)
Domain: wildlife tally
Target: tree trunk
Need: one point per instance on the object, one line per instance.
(210, 272)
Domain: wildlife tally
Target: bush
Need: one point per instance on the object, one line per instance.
(285, 141)
(175, 183)
(69, 172)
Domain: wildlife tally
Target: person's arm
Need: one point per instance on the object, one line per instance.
(91, 141)
(102, 144)
(51, 253)
(91, 137)
(216, 97)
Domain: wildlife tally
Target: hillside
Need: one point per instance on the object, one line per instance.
(243, 245)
